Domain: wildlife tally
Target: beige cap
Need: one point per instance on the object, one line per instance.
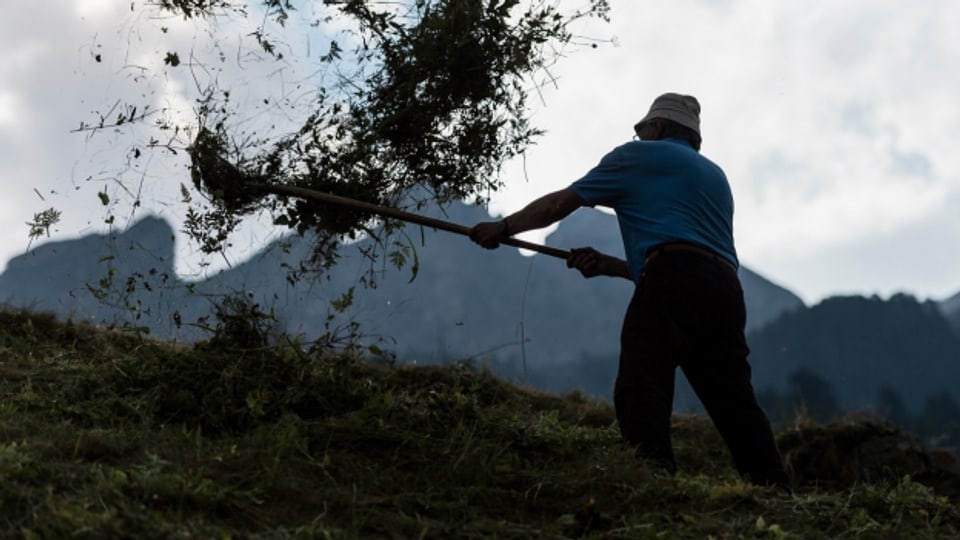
(684, 110)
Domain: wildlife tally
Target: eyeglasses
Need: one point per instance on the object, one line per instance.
(637, 127)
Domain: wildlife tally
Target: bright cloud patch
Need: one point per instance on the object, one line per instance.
(8, 109)
(94, 8)
(836, 122)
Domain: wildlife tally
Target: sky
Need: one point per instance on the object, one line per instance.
(834, 121)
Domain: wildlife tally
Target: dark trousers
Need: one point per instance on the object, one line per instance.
(688, 312)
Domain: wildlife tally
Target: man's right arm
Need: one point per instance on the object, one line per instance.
(538, 214)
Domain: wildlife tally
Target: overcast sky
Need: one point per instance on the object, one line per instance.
(836, 123)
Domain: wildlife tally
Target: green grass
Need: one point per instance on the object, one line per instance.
(108, 435)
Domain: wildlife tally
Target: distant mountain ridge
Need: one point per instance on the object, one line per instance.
(465, 300)
(64, 277)
(527, 317)
(863, 345)
(951, 310)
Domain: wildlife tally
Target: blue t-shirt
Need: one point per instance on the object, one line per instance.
(662, 191)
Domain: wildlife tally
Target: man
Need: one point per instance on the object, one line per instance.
(675, 211)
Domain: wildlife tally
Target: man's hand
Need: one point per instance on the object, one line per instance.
(587, 260)
(488, 233)
(591, 263)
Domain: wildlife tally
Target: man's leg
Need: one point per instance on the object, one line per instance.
(724, 388)
(716, 366)
(643, 393)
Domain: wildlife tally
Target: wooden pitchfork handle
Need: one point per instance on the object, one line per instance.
(319, 196)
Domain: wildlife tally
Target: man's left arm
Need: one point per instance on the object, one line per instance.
(592, 263)
(538, 214)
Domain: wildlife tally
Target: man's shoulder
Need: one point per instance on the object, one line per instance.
(636, 150)
(712, 165)
(664, 148)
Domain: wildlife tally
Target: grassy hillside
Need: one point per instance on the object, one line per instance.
(108, 435)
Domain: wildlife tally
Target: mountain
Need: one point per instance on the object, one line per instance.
(866, 351)
(951, 310)
(524, 313)
(529, 318)
(73, 278)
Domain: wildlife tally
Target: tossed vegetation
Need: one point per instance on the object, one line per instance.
(109, 435)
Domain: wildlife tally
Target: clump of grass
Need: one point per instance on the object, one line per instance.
(109, 435)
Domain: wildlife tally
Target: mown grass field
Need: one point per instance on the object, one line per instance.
(110, 435)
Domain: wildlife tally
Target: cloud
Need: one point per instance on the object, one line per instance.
(94, 8)
(881, 263)
(9, 105)
(835, 121)
(103, 54)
